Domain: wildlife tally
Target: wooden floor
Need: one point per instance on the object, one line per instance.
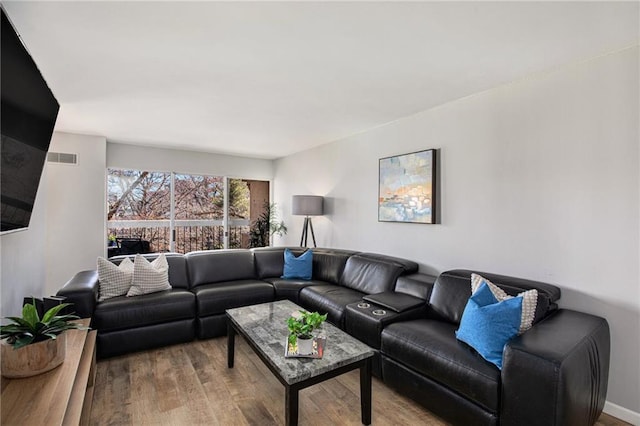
(190, 384)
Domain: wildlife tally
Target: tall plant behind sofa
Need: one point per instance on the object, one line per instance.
(265, 226)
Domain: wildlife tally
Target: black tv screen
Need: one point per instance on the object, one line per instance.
(28, 112)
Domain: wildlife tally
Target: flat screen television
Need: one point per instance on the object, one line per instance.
(28, 112)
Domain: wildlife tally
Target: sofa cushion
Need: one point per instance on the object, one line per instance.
(289, 289)
(328, 265)
(130, 312)
(408, 266)
(149, 277)
(177, 267)
(370, 276)
(114, 280)
(529, 300)
(214, 266)
(430, 347)
(487, 323)
(452, 290)
(127, 340)
(417, 285)
(297, 267)
(269, 261)
(216, 298)
(329, 299)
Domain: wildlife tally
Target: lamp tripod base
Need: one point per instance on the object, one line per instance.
(305, 232)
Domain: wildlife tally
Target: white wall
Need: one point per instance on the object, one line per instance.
(22, 258)
(76, 194)
(539, 179)
(120, 155)
(67, 229)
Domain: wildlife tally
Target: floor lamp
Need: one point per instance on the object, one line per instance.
(307, 205)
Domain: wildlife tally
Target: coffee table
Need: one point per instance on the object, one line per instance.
(264, 327)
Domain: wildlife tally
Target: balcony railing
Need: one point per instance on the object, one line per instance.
(191, 235)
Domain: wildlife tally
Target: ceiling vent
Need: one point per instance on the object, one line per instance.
(61, 157)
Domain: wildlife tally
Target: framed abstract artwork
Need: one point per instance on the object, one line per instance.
(407, 185)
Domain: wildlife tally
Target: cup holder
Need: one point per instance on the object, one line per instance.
(363, 305)
(379, 312)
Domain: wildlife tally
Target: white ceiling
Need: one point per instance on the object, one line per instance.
(269, 79)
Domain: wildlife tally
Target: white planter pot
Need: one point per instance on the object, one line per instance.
(305, 346)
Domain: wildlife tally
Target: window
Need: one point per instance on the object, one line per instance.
(139, 207)
(239, 211)
(202, 212)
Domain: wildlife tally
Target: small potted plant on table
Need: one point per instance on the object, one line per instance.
(301, 326)
(31, 345)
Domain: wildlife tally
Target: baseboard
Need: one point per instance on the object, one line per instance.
(622, 413)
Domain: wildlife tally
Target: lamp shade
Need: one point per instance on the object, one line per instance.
(307, 205)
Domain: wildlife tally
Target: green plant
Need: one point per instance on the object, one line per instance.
(265, 225)
(29, 328)
(302, 325)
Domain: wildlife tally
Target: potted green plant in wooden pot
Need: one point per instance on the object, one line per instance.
(32, 345)
(301, 326)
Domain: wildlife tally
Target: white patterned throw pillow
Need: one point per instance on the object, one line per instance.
(529, 300)
(149, 277)
(114, 280)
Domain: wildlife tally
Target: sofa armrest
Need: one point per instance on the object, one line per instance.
(418, 285)
(82, 291)
(397, 302)
(557, 372)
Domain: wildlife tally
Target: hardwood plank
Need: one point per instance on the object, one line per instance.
(255, 412)
(112, 393)
(198, 388)
(165, 382)
(194, 407)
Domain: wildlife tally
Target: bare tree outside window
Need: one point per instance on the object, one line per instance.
(135, 196)
(139, 206)
(239, 213)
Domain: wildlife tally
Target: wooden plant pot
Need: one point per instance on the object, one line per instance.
(33, 359)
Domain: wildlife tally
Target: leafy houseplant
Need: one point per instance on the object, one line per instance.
(265, 225)
(32, 345)
(31, 329)
(301, 326)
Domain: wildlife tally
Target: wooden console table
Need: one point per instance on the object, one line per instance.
(61, 396)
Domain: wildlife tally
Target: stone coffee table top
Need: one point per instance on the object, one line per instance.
(266, 326)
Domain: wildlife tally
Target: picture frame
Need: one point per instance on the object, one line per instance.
(407, 188)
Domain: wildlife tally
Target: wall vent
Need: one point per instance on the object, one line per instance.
(61, 157)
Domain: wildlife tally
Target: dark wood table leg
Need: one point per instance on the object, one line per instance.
(365, 391)
(291, 405)
(231, 343)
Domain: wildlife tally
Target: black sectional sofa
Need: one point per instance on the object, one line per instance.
(554, 374)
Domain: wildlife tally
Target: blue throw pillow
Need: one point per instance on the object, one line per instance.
(297, 267)
(487, 325)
